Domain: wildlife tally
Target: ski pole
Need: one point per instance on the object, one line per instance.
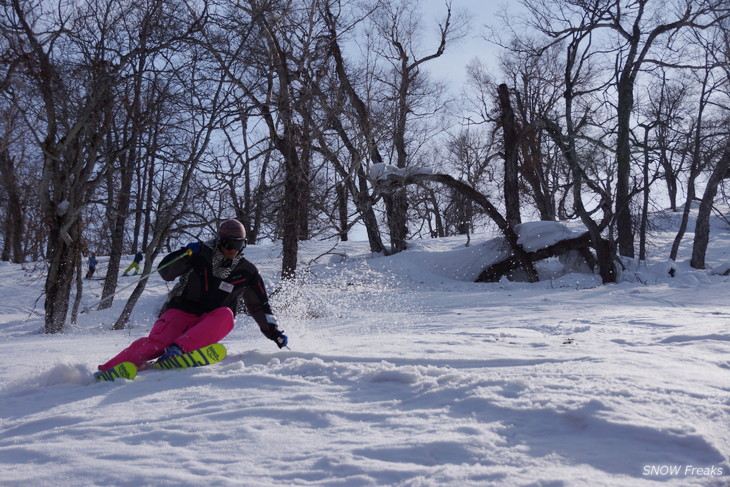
(87, 308)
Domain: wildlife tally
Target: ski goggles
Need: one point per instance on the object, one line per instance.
(232, 243)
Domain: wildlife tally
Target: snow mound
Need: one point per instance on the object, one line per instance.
(533, 236)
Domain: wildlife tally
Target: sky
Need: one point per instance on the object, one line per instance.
(481, 13)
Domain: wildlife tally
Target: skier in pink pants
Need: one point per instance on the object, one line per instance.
(214, 277)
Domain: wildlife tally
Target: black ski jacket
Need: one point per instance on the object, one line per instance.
(200, 291)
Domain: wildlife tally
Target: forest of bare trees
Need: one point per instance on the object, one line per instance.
(138, 125)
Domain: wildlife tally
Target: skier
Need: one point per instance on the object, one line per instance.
(214, 276)
(139, 256)
(92, 265)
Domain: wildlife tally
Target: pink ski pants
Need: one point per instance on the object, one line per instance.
(186, 330)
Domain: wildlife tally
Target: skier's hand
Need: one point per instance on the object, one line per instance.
(193, 247)
(281, 340)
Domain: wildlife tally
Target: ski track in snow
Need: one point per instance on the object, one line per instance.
(399, 375)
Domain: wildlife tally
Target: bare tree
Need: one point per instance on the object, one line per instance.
(242, 169)
(71, 58)
(536, 89)
(408, 89)
(352, 170)
(577, 74)
(199, 115)
(639, 31)
(471, 155)
(69, 138)
(708, 83)
(273, 40)
(669, 107)
(16, 173)
(718, 45)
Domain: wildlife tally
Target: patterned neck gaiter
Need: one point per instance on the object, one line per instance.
(222, 267)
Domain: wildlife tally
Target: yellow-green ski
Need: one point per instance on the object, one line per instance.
(197, 358)
(125, 370)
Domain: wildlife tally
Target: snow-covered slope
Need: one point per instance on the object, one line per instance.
(401, 372)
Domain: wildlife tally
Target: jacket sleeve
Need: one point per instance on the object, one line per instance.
(257, 305)
(176, 269)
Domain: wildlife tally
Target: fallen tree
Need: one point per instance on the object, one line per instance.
(388, 178)
(581, 244)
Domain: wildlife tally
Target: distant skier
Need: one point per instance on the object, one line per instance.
(139, 256)
(92, 265)
(214, 277)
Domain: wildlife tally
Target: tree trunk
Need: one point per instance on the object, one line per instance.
(670, 175)
(364, 204)
(438, 221)
(304, 192)
(118, 207)
(13, 234)
(79, 288)
(511, 182)
(645, 202)
(702, 229)
(342, 214)
(396, 209)
(624, 220)
(292, 213)
(61, 269)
